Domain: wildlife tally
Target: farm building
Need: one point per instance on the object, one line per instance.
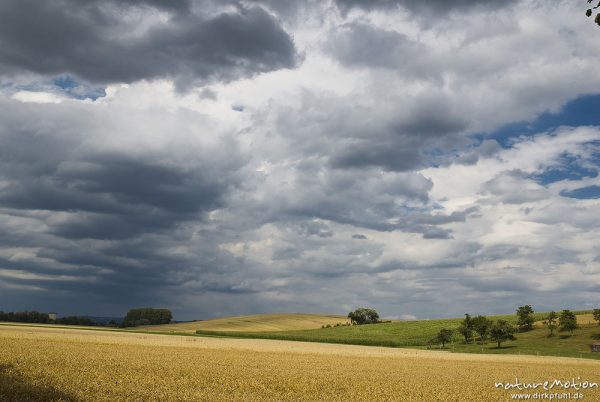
(595, 347)
(52, 316)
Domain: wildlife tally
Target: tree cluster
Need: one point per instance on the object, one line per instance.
(498, 331)
(147, 316)
(566, 321)
(363, 316)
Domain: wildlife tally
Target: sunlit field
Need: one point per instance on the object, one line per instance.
(68, 365)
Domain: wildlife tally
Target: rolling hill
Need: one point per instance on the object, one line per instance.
(417, 334)
(252, 323)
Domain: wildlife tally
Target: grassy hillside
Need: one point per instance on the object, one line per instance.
(418, 334)
(252, 323)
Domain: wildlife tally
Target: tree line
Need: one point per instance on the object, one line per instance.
(35, 317)
(135, 317)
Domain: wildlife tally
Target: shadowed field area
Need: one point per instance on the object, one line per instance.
(16, 388)
(119, 366)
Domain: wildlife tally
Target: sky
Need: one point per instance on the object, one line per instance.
(426, 159)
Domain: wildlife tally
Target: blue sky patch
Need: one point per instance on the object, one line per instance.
(583, 111)
(64, 85)
(570, 168)
(584, 193)
(74, 89)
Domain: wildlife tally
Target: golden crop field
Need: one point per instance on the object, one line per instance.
(586, 319)
(582, 319)
(252, 323)
(40, 364)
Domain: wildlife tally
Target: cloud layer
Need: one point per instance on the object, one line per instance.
(241, 157)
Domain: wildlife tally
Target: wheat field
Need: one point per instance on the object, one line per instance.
(40, 364)
(252, 323)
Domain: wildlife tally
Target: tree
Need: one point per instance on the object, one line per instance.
(502, 331)
(482, 325)
(363, 316)
(568, 321)
(597, 315)
(444, 336)
(466, 328)
(552, 322)
(590, 12)
(147, 316)
(525, 318)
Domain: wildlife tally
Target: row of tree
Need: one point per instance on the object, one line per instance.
(501, 330)
(135, 317)
(35, 317)
(498, 331)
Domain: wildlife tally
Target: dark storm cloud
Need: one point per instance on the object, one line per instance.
(171, 5)
(373, 211)
(401, 145)
(437, 233)
(398, 155)
(365, 46)
(287, 8)
(108, 224)
(107, 196)
(420, 6)
(312, 228)
(357, 135)
(95, 42)
(102, 214)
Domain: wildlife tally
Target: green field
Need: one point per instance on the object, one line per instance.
(418, 334)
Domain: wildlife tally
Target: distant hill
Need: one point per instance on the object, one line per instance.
(253, 323)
